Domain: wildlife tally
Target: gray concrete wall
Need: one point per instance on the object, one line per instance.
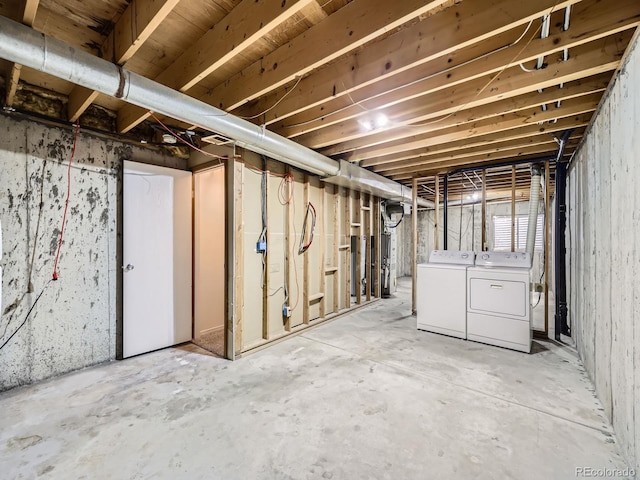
(465, 232)
(603, 259)
(74, 323)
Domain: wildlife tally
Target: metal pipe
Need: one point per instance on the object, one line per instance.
(25, 46)
(561, 324)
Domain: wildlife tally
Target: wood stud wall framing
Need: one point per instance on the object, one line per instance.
(323, 271)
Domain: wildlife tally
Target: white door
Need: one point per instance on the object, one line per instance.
(156, 258)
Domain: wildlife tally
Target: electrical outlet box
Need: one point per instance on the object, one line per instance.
(261, 247)
(286, 311)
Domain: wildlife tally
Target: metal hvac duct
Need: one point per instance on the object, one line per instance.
(25, 46)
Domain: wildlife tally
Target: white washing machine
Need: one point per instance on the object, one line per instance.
(498, 300)
(442, 292)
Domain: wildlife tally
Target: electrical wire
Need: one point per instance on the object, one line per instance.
(480, 91)
(275, 104)
(28, 314)
(212, 155)
(180, 139)
(263, 211)
(408, 84)
(287, 181)
(66, 204)
(398, 222)
(310, 211)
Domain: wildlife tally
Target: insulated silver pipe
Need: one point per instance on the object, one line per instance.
(25, 46)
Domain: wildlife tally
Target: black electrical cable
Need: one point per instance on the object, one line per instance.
(399, 221)
(28, 314)
(310, 210)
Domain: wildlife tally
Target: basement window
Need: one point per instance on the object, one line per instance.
(502, 232)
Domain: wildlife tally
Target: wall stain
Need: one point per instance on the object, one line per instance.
(55, 238)
(104, 217)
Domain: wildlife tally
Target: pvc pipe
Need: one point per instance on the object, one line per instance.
(534, 200)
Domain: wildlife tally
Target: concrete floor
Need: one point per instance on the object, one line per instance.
(363, 397)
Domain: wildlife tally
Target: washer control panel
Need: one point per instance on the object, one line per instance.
(504, 259)
(452, 257)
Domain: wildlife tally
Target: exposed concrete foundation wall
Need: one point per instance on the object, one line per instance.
(74, 323)
(603, 235)
(469, 239)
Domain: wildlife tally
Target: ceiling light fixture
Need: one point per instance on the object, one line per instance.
(366, 124)
(381, 120)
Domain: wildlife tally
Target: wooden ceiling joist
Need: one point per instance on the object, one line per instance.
(463, 25)
(406, 179)
(240, 29)
(569, 109)
(462, 152)
(357, 23)
(134, 27)
(587, 60)
(592, 20)
(522, 134)
(527, 101)
(405, 88)
(543, 149)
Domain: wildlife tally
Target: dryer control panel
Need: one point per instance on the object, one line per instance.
(504, 259)
(452, 257)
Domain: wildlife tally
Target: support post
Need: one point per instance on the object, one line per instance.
(414, 244)
(484, 210)
(513, 208)
(445, 216)
(377, 229)
(547, 244)
(305, 261)
(436, 215)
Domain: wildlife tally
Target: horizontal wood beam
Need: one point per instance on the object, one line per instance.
(569, 109)
(479, 141)
(590, 59)
(437, 169)
(437, 36)
(355, 24)
(463, 151)
(540, 149)
(523, 103)
(135, 26)
(241, 28)
(590, 21)
(140, 19)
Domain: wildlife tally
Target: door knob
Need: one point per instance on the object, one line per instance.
(129, 267)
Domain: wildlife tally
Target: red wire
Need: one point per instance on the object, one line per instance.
(66, 204)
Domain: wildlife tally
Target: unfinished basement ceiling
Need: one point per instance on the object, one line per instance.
(406, 89)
